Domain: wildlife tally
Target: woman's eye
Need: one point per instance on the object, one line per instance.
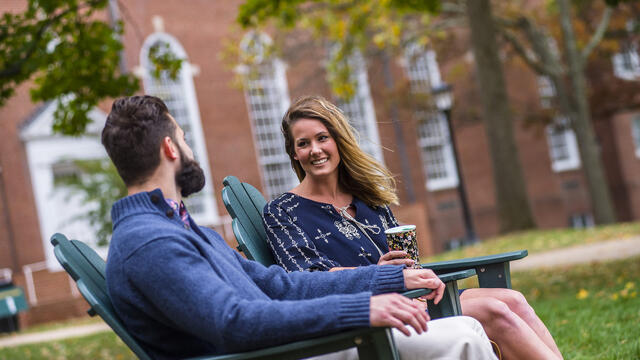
(301, 143)
(323, 137)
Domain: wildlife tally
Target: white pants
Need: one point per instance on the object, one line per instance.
(458, 337)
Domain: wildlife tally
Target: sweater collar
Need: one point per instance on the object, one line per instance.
(152, 201)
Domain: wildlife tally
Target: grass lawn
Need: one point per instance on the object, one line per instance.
(592, 310)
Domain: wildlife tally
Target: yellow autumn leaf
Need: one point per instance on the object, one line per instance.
(582, 294)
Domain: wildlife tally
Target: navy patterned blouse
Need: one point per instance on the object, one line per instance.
(310, 235)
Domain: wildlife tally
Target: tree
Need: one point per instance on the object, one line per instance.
(388, 25)
(512, 202)
(71, 56)
(98, 185)
(567, 74)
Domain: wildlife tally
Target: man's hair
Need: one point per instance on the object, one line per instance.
(133, 134)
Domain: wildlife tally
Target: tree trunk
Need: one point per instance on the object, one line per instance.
(514, 212)
(581, 121)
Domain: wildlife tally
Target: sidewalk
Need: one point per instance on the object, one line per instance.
(602, 251)
(57, 334)
(598, 252)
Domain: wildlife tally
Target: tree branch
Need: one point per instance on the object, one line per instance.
(535, 64)
(597, 36)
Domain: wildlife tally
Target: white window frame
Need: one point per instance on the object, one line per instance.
(567, 139)
(635, 133)
(56, 211)
(276, 171)
(205, 199)
(424, 75)
(546, 91)
(359, 109)
(626, 63)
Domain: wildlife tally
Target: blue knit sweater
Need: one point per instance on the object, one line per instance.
(183, 292)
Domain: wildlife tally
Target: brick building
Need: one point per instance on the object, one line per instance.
(236, 131)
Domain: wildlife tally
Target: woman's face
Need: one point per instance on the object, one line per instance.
(315, 148)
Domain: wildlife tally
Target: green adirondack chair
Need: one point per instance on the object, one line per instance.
(245, 203)
(88, 270)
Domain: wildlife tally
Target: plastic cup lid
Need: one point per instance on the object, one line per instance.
(400, 229)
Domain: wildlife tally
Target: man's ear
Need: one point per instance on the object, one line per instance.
(169, 149)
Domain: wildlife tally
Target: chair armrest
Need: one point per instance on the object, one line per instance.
(370, 338)
(446, 278)
(450, 303)
(493, 270)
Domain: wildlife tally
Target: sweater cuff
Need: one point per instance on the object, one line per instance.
(354, 310)
(387, 278)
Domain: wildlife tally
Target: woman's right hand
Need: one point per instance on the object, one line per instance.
(396, 257)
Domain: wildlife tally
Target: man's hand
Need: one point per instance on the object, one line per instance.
(395, 310)
(424, 279)
(396, 257)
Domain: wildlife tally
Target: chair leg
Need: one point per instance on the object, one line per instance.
(449, 305)
(379, 345)
(494, 275)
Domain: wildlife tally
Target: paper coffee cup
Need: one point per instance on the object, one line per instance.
(404, 238)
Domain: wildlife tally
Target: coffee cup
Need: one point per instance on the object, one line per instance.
(404, 238)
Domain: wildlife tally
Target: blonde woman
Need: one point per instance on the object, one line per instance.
(336, 218)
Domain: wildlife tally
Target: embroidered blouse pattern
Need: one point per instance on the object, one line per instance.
(305, 235)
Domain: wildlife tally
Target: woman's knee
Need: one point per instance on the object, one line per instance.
(516, 301)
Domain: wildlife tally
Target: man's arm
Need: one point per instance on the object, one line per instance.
(196, 299)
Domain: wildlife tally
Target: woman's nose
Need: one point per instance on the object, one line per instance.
(315, 148)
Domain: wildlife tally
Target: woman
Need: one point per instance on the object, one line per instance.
(336, 218)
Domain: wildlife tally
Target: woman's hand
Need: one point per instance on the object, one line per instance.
(396, 257)
(424, 279)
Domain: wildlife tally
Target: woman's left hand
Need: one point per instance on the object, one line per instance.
(396, 257)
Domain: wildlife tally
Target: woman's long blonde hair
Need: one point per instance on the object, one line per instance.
(358, 172)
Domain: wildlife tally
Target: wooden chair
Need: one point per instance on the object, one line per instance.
(245, 203)
(88, 270)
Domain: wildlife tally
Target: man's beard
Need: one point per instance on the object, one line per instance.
(190, 177)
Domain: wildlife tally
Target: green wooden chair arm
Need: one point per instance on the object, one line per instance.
(312, 347)
(493, 270)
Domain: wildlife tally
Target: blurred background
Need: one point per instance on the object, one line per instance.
(497, 117)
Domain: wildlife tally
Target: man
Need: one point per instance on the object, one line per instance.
(183, 292)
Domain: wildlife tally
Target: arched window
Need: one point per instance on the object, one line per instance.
(179, 95)
(267, 97)
(433, 133)
(359, 108)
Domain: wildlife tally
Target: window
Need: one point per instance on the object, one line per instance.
(267, 97)
(359, 109)
(433, 131)
(635, 132)
(546, 91)
(563, 148)
(626, 63)
(581, 221)
(179, 95)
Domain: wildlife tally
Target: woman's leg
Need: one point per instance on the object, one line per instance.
(519, 305)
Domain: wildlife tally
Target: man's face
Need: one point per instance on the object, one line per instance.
(190, 176)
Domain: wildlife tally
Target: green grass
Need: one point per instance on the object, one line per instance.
(537, 241)
(592, 310)
(105, 345)
(57, 325)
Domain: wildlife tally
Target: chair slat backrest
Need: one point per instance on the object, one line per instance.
(87, 268)
(245, 203)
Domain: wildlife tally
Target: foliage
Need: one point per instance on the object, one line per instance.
(70, 55)
(97, 183)
(346, 26)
